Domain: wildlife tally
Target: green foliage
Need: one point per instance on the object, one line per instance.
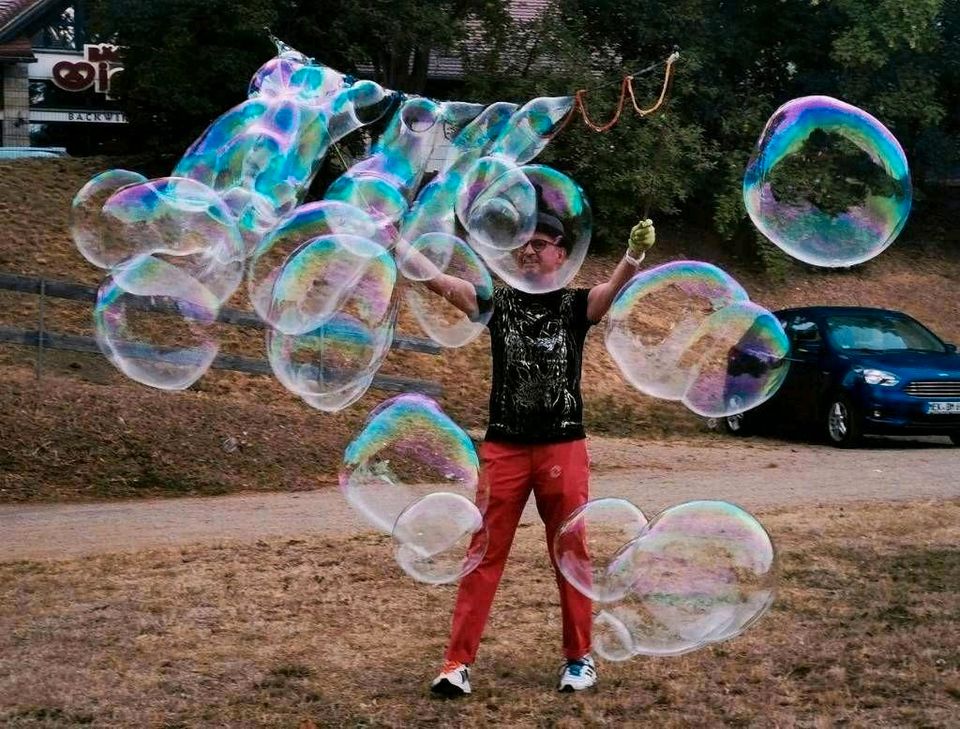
(393, 37)
(831, 172)
(740, 61)
(185, 61)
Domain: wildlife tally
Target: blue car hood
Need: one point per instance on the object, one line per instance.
(912, 364)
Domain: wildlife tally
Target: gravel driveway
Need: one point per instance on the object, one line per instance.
(757, 474)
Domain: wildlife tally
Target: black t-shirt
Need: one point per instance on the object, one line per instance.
(536, 341)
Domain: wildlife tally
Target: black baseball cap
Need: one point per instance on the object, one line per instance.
(550, 225)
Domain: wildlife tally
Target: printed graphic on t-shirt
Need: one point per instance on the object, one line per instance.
(537, 344)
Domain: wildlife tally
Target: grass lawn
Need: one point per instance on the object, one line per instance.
(317, 632)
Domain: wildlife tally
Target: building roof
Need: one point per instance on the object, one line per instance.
(15, 14)
(17, 51)
(451, 67)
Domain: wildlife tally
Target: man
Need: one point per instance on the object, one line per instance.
(535, 440)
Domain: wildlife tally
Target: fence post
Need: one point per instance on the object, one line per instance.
(43, 290)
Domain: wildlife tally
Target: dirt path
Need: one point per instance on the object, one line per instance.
(755, 474)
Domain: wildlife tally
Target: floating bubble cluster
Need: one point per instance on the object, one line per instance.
(413, 473)
(827, 183)
(446, 189)
(699, 572)
(687, 331)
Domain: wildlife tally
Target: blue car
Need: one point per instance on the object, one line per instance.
(856, 371)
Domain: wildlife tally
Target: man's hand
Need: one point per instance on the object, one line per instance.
(642, 238)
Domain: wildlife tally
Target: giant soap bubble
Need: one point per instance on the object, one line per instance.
(450, 180)
(408, 448)
(687, 331)
(827, 183)
(705, 570)
(423, 262)
(557, 196)
(158, 329)
(699, 572)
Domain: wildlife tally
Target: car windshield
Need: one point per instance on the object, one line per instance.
(880, 333)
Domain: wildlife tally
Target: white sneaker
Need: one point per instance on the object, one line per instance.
(577, 675)
(454, 680)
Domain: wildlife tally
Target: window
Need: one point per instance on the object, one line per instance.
(880, 333)
(59, 32)
(801, 330)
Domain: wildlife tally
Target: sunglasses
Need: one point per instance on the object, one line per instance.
(538, 244)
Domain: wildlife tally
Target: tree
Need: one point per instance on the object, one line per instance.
(188, 61)
(185, 61)
(394, 38)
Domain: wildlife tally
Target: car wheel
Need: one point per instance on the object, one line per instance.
(842, 423)
(737, 425)
(955, 437)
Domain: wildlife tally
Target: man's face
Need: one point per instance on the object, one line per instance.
(542, 255)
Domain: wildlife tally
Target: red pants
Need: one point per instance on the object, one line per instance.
(558, 475)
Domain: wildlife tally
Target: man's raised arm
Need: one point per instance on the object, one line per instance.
(601, 296)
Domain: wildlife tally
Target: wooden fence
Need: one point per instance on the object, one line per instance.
(41, 339)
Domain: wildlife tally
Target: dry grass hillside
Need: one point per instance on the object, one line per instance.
(81, 430)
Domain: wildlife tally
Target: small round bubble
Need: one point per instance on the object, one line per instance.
(497, 204)
(828, 183)
(440, 538)
(588, 547)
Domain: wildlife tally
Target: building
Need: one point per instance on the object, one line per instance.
(56, 79)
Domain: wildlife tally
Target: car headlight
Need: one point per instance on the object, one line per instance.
(879, 377)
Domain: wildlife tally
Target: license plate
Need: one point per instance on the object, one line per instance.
(942, 408)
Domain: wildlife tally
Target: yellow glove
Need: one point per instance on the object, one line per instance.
(642, 238)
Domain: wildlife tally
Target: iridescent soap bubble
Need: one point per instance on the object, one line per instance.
(561, 198)
(655, 319)
(159, 330)
(323, 275)
(497, 204)
(384, 184)
(612, 638)
(174, 215)
(333, 365)
(408, 448)
(828, 183)
(293, 75)
(307, 223)
(704, 571)
(740, 355)
(90, 230)
(440, 320)
(440, 538)
(532, 127)
(588, 547)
